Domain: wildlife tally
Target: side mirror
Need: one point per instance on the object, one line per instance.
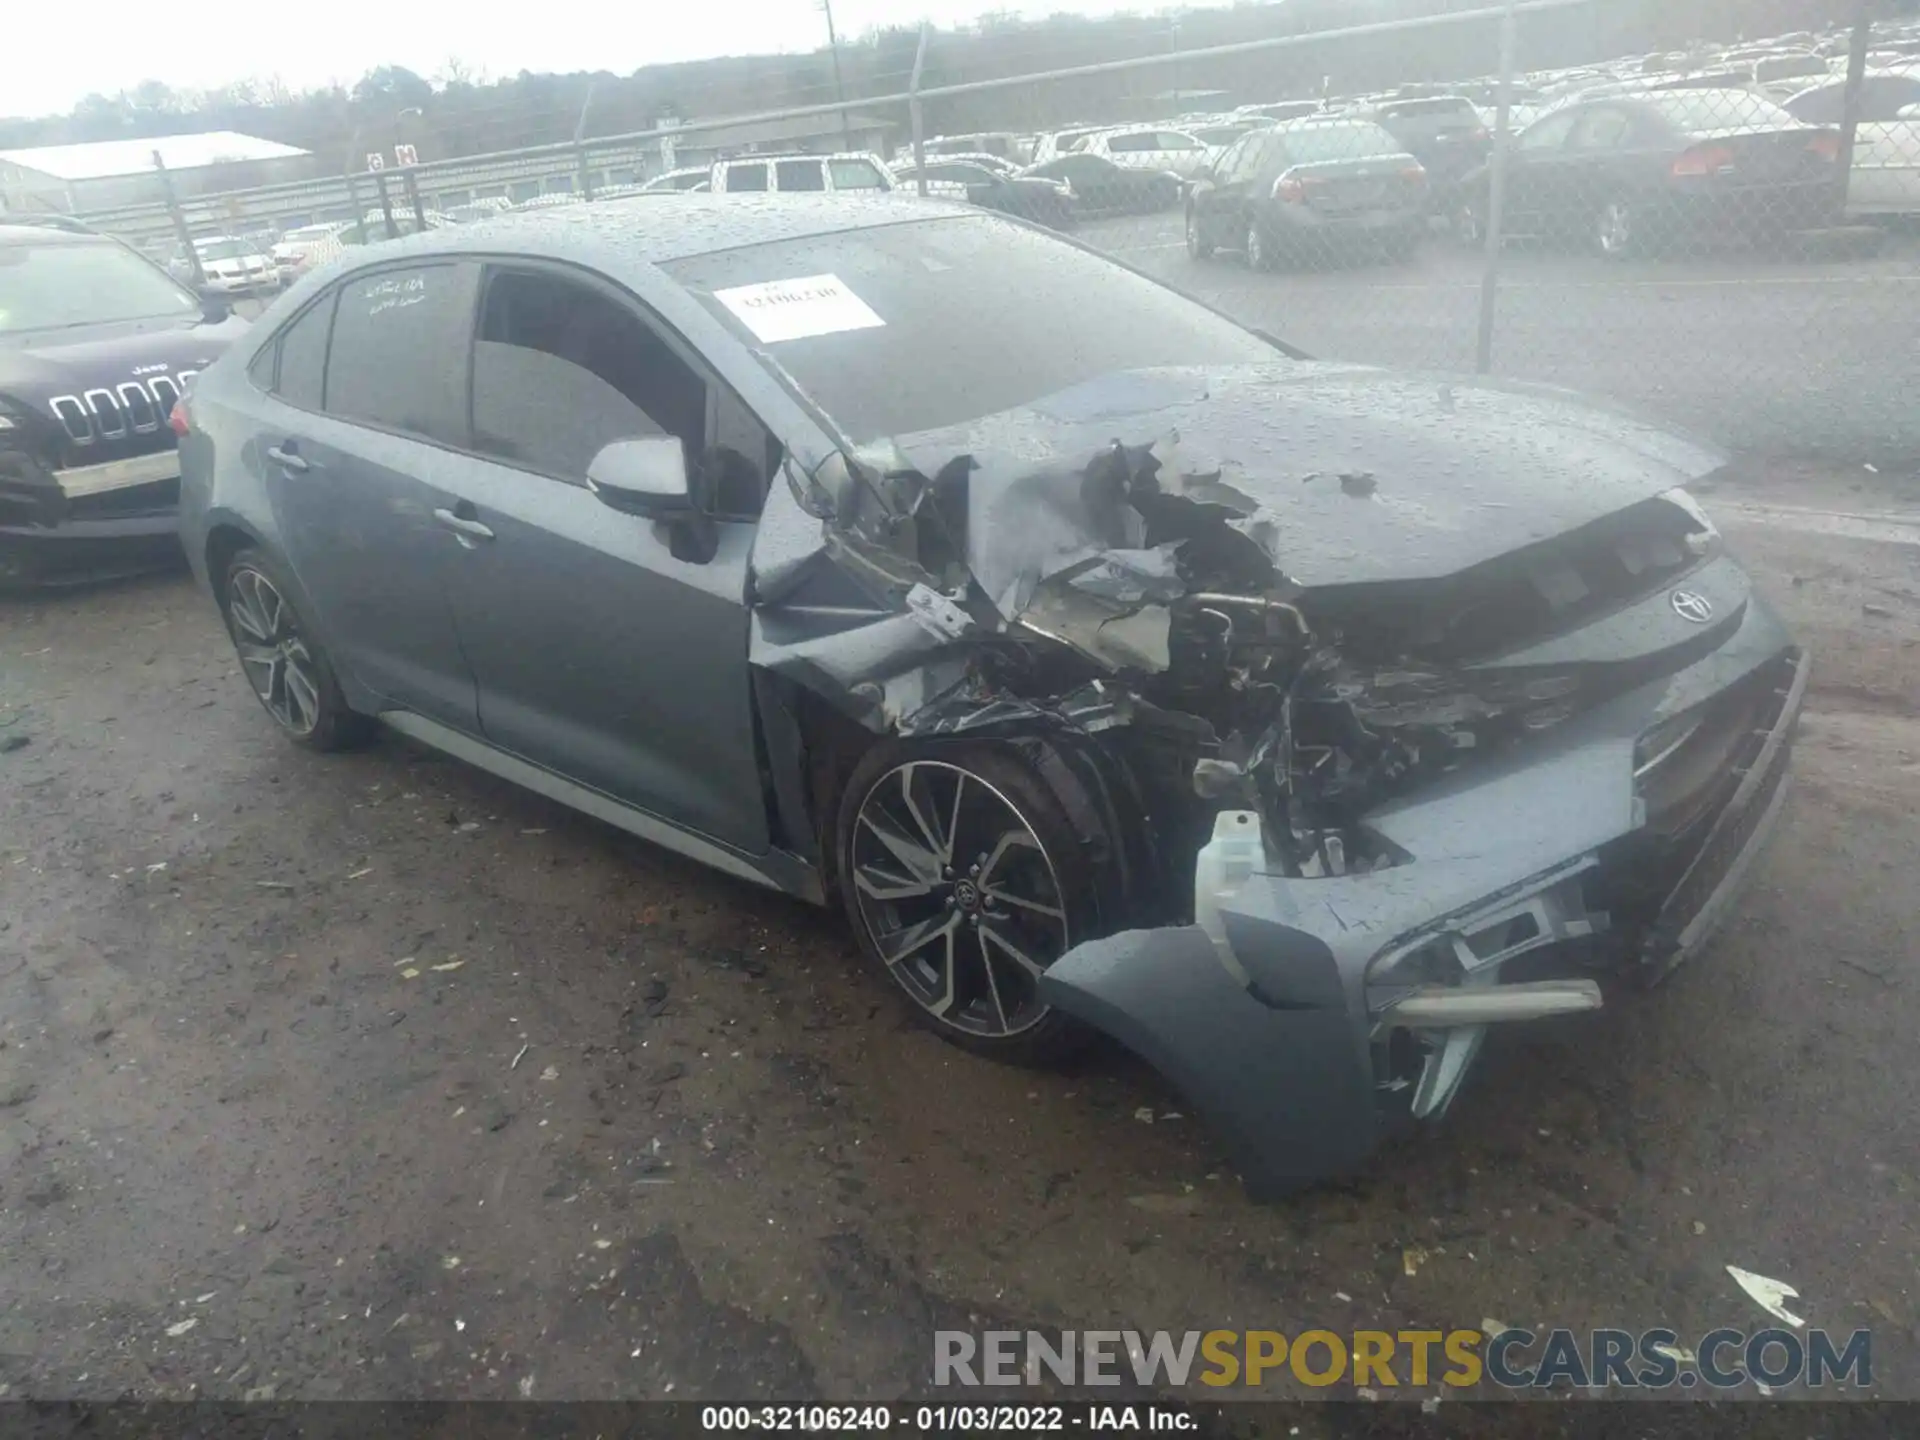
(643, 477)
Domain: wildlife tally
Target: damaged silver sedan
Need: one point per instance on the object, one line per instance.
(1118, 669)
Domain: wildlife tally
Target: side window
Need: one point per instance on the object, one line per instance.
(1236, 164)
(1174, 140)
(746, 177)
(1601, 130)
(303, 355)
(1884, 97)
(1130, 144)
(393, 333)
(856, 175)
(1549, 134)
(561, 370)
(260, 368)
(799, 175)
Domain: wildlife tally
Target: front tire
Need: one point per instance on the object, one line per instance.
(964, 880)
(289, 673)
(1198, 246)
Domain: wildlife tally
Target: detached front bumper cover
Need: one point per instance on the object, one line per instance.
(1306, 1019)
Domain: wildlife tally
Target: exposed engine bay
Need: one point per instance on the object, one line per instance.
(1144, 597)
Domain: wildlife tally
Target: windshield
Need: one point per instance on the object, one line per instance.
(1312, 144)
(54, 286)
(222, 249)
(914, 326)
(1701, 112)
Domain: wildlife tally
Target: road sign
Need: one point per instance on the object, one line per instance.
(405, 155)
(376, 161)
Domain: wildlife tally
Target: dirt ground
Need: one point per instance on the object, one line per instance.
(369, 1076)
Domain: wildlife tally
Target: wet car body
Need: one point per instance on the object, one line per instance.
(1310, 190)
(1633, 172)
(89, 473)
(1366, 711)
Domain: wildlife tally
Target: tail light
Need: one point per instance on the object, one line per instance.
(1702, 160)
(1415, 176)
(1826, 145)
(1289, 187)
(1482, 133)
(178, 420)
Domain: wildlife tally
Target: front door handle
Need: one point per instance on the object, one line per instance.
(467, 532)
(287, 458)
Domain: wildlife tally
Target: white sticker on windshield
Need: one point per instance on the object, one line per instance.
(795, 309)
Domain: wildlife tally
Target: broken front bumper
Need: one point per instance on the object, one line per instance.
(87, 522)
(1308, 1018)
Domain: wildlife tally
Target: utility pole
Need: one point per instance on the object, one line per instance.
(839, 86)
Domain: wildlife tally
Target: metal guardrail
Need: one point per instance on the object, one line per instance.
(1407, 228)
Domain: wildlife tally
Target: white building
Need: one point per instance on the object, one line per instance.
(109, 173)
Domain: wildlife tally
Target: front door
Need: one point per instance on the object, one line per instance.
(604, 649)
(365, 402)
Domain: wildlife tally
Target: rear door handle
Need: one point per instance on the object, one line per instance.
(466, 531)
(287, 458)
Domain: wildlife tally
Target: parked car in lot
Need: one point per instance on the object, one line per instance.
(1284, 109)
(1310, 191)
(228, 266)
(96, 343)
(1627, 174)
(1155, 148)
(1055, 143)
(882, 550)
(1783, 75)
(1445, 133)
(1097, 186)
(1045, 202)
(857, 170)
(300, 250)
(1885, 178)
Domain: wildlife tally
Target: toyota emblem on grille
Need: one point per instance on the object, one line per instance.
(1692, 605)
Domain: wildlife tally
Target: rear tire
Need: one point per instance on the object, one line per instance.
(963, 879)
(1259, 247)
(1619, 229)
(289, 673)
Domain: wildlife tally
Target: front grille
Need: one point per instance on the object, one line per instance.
(115, 422)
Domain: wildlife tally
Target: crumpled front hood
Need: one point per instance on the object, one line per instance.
(1365, 475)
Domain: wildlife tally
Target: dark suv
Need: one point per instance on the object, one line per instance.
(96, 344)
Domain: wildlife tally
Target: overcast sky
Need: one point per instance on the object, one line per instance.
(197, 47)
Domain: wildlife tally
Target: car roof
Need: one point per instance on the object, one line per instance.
(674, 226)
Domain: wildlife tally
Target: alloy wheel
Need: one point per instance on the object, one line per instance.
(1616, 229)
(273, 653)
(1256, 247)
(959, 897)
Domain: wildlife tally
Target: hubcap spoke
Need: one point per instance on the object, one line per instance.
(941, 846)
(921, 862)
(996, 933)
(917, 937)
(880, 885)
(993, 985)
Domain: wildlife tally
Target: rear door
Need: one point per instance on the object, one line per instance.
(1605, 157)
(1537, 178)
(604, 649)
(370, 391)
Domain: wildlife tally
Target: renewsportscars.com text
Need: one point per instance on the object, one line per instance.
(1512, 1359)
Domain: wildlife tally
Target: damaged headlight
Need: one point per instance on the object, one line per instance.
(1703, 539)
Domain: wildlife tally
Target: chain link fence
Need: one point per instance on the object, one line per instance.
(1722, 233)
